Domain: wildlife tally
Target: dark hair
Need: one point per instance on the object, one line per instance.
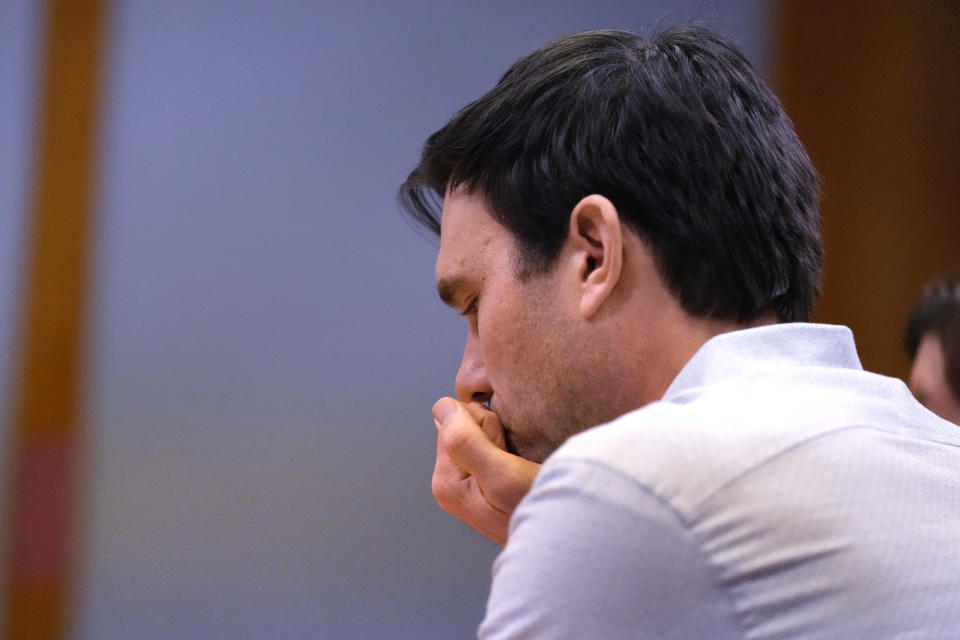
(938, 312)
(678, 131)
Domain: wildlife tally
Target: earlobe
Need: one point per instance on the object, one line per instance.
(597, 242)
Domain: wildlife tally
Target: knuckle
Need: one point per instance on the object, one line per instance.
(437, 487)
(443, 491)
(455, 437)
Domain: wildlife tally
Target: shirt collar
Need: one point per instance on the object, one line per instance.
(749, 351)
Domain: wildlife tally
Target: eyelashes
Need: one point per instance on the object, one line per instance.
(470, 309)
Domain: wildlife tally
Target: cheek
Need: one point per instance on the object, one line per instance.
(508, 348)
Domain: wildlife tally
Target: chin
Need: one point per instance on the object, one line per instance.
(533, 451)
(530, 445)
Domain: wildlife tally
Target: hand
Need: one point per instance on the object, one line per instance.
(476, 480)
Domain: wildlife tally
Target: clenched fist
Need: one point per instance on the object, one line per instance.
(476, 479)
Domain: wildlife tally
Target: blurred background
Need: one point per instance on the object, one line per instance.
(220, 341)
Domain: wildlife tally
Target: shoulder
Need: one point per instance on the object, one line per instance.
(687, 449)
(594, 554)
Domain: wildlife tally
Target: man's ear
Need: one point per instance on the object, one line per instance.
(596, 240)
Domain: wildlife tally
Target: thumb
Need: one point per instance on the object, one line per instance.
(464, 440)
(443, 409)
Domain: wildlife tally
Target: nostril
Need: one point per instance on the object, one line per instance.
(482, 398)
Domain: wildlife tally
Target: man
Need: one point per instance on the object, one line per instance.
(932, 339)
(630, 228)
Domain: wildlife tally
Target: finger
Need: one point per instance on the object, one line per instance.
(460, 495)
(505, 489)
(465, 442)
(477, 513)
(501, 478)
(448, 478)
(445, 468)
(489, 422)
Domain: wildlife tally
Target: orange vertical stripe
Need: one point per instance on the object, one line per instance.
(873, 89)
(48, 404)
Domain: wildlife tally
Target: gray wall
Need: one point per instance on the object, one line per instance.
(266, 339)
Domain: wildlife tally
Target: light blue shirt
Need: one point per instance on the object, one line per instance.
(776, 491)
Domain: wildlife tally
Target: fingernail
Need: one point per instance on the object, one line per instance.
(443, 409)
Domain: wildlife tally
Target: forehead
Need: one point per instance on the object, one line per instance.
(471, 241)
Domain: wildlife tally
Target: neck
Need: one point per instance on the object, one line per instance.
(672, 340)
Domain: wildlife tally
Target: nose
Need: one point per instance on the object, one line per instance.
(472, 384)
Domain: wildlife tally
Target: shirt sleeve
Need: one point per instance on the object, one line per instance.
(592, 554)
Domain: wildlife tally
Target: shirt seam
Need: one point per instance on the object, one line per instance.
(741, 475)
(687, 523)
(684, 522)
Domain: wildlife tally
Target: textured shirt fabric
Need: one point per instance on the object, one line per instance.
(776, 491)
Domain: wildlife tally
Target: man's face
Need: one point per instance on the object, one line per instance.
(928, 380)
(521, 334)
